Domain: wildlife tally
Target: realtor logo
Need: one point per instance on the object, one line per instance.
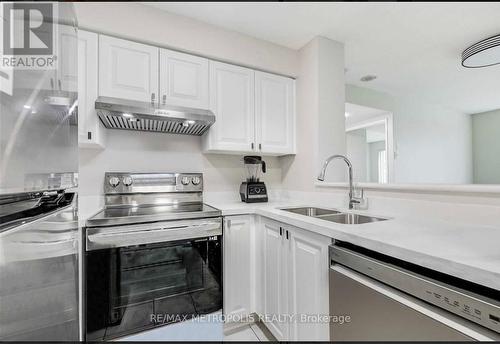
(27, 29)
(28, 37)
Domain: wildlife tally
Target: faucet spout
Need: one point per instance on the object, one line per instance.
(321, 176)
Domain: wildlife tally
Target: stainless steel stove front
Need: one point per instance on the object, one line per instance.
(154, 252)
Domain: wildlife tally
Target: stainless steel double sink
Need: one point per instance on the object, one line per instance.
(334, 215)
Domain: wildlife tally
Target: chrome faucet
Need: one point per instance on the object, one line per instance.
(352, 200)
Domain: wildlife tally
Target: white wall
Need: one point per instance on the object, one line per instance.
(320, 114)
(147, 24)
(157, 152)
(486, 147)
(433, 142)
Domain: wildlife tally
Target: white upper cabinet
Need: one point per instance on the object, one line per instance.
(274, 113)
(232, 101)
(255, 111)
(183, 79)
(91, 132)
(67, 70)
(128, 70)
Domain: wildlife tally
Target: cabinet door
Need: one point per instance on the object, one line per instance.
(127, 69)
(238, 266)
(275, 113)
(67, 70)
(183, 79)
(91, 132)
(275, 279)
(308, 284)
(232, 101)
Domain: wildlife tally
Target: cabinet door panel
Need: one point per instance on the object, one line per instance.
(308, 270)
(91, 132)
(183, 79)
(127, 69)
(67, 71)
(238, 266)
(275, 279)
(232, 101)
(275, 113)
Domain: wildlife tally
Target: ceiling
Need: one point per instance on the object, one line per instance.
(413, 48)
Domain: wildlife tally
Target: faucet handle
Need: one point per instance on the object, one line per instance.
(359, 193)
(358, 199)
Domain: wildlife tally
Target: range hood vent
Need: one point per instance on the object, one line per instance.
(116, 113)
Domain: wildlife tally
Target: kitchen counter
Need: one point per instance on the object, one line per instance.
(465, 251)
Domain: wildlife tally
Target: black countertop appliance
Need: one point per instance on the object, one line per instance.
(253, 190)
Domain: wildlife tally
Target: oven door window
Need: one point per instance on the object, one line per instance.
(138, 287)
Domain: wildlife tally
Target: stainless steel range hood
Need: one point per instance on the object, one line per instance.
(116, 113)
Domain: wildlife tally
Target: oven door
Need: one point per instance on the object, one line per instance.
(172, 272)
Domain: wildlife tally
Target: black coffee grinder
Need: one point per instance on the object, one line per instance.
(253, 190)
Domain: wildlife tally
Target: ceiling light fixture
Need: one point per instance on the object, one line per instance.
(368, 77)
(482, 54)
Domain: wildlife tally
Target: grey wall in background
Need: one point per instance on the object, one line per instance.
(357, 151)
(433, 142)
(486, 147)
(373, 149)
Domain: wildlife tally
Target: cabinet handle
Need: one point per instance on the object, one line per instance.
(51, 83)
(260, 146)
(281, 231)
(251, 145)
(153, 96)
(89, 135)
(164, 99)
(59, 83)
(287, 234)
(228, 223)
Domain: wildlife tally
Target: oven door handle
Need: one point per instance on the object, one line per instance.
(113, 237)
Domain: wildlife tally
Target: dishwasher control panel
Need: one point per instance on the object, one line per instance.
(477, 308)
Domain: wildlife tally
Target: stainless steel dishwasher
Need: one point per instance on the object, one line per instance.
(380, 298)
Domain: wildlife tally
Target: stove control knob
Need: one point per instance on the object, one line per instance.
(196, 180)
(185, 180)
(127, 181)
(114, 181)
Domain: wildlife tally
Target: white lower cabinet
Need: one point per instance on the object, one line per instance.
(295, 282)
(275, 288)
(308, 284)
(238, 275)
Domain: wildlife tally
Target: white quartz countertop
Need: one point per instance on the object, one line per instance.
(465, 251)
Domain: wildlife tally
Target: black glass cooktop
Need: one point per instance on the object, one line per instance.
(127, 215)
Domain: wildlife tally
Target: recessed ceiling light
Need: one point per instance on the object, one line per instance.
(368, 78)
(127, 115)
(482, 54)
(27, 106)
(347, 114)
